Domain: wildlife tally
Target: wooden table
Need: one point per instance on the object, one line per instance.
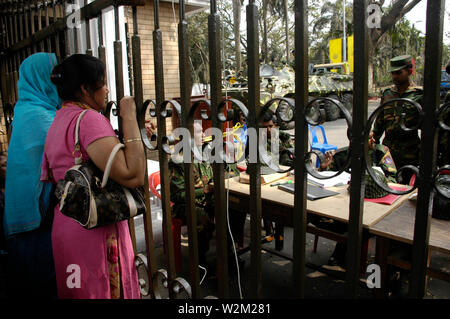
(399, 227)
(278, 205)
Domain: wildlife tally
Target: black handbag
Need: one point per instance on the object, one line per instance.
(89, 197)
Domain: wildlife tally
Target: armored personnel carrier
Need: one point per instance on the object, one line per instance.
(324, 81)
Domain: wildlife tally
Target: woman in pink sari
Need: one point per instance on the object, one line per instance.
(96, 263)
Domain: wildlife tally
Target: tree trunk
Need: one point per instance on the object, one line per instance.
(371, 75)
(265, 44)
(286, 28)
(237, 34)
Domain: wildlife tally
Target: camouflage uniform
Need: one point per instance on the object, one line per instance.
(380, 156)
(285, 143)
(204, 203)
(404, 145)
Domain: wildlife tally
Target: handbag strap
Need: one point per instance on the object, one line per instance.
(78, 160)
(76, 147)
(109, 163)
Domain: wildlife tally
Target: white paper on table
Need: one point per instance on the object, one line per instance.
(341, 179)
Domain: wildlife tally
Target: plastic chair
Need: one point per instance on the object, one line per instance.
(153, 181)
(323, 148)
(315, 145)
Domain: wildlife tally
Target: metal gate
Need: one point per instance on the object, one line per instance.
(33, 26)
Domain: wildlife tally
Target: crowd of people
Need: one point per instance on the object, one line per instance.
(44, 247)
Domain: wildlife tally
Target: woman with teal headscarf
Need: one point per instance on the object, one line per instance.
(27, 227)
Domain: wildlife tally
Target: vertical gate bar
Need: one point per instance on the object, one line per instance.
(301, 144)
(4, 87)
(23, 53)
(11, 32)
(432, 76)
(57, 44)
(9, 81)
(161, 128)
(254, 168)
(7, 26)
(47, 23)
(141, 122)
(101, 45)
(16, 33)
(27, 30)
(88, 33)
(139, 98)
(118, 68)
(118, 60)
(129, 60)
(4, 28)
(66, 33)
(183, 46)
(358, 146)
(16, 75)
(39, 16)
(32, 12)
(20, 13)
(75, 37)
(10, 87)
(220, 203)
(148, 214)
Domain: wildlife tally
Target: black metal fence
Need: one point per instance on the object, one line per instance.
(33, 26)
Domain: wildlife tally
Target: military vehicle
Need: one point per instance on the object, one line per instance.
(324, 81)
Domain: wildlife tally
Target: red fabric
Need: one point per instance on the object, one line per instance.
(388, 199)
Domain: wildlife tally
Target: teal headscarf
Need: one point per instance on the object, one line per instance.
(33, 115)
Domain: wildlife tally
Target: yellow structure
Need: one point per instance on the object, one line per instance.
(336, 51)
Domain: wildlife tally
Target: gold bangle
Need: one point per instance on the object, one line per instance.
(137, 139)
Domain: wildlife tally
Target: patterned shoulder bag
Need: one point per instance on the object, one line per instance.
(88, 196)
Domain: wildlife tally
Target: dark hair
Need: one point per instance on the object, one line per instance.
(75, 71)
(269, 116)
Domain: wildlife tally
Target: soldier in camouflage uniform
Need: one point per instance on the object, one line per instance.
(404, 145)
(204, 199)
(379, 154)
(285, 141)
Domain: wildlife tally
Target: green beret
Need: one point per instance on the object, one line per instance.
(400, 62)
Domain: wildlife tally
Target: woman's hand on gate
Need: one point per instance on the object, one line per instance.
(128, 108)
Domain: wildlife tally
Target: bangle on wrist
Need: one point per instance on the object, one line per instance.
(137, 139)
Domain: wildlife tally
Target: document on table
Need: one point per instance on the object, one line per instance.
(341, 179)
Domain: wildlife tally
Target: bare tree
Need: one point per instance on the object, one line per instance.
(237, 4)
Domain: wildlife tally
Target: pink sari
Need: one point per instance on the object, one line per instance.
(90, 264)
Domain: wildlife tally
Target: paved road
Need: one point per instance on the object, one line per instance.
(336, 131)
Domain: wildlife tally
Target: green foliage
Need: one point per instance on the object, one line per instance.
(402, 38)
(325, 23)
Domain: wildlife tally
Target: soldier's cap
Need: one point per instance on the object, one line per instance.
(400, 62)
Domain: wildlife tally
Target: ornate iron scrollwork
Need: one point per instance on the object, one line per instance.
(283, 114)
(314, 116)
(368, 129)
